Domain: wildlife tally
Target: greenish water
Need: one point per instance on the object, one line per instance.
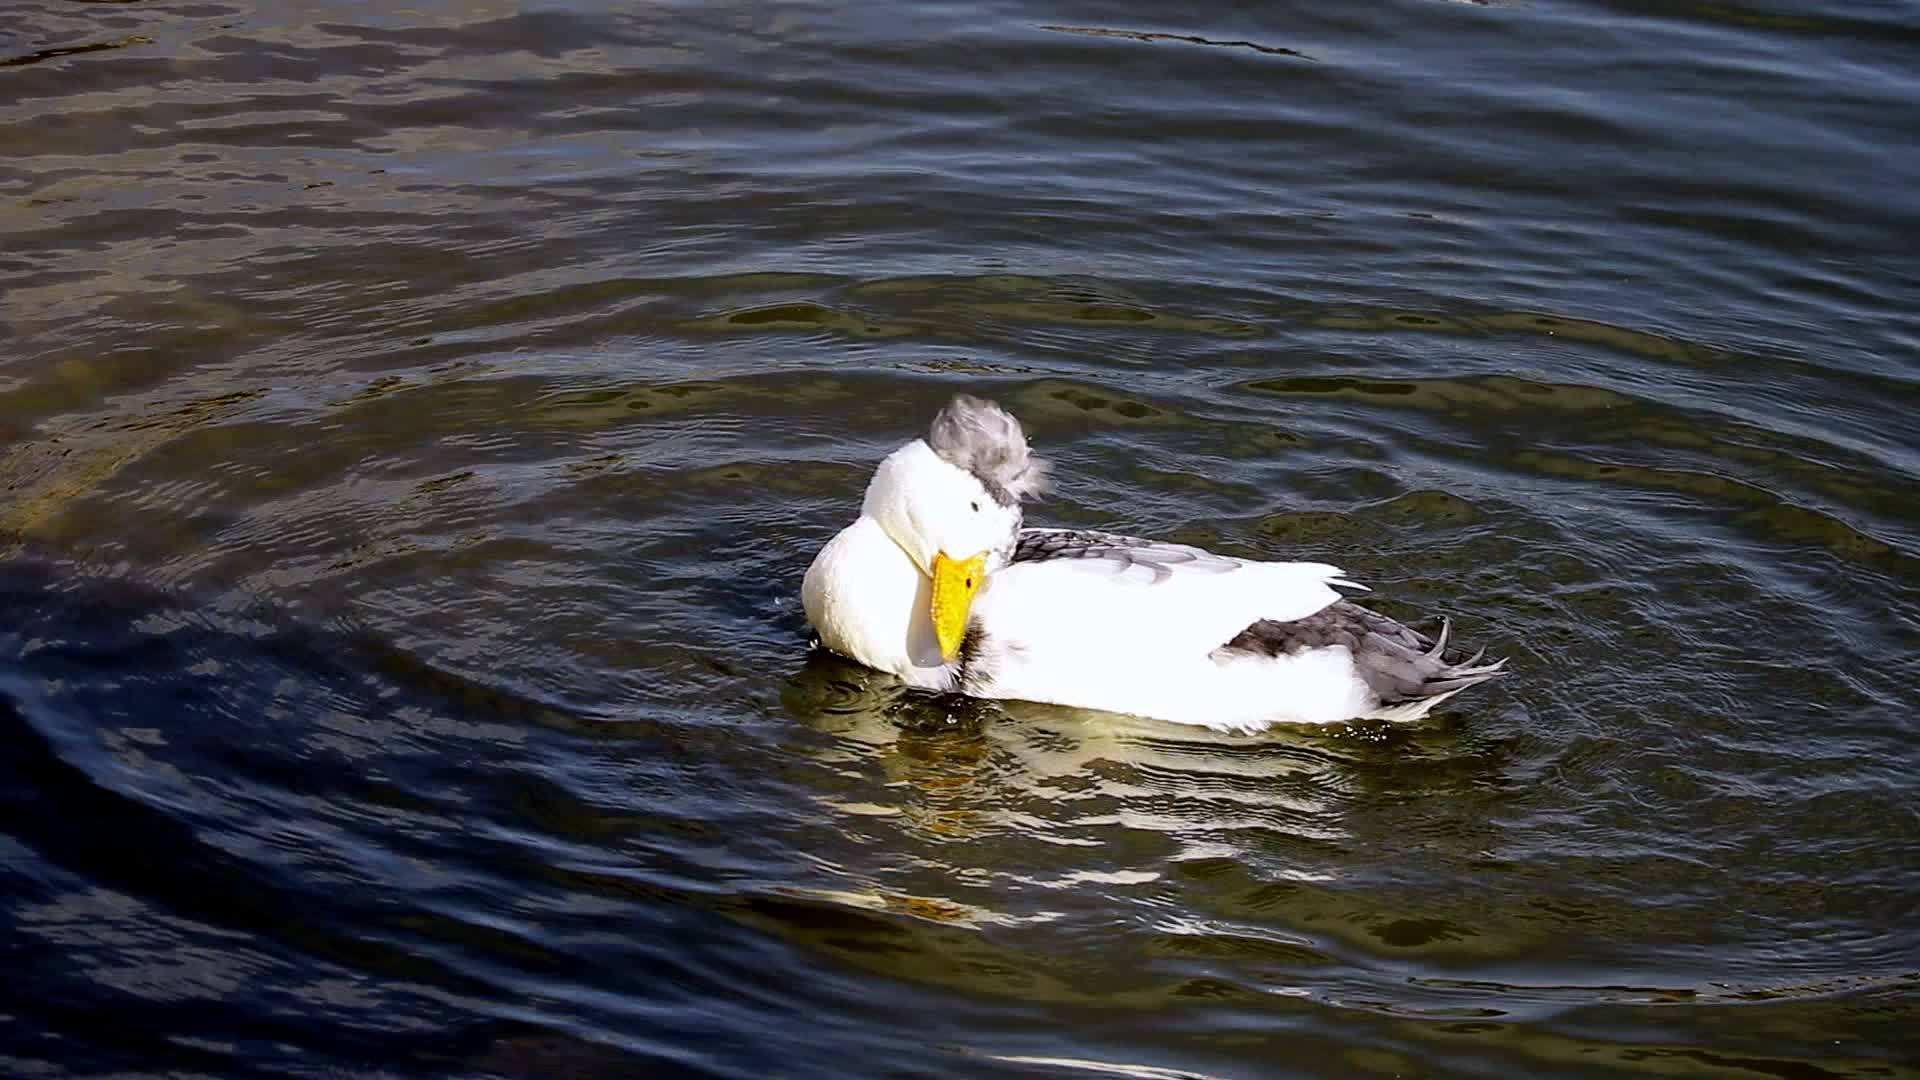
(414, 424)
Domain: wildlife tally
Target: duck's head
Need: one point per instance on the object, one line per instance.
(951, 501)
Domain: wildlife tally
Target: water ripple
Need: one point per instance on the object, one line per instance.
(414, 424)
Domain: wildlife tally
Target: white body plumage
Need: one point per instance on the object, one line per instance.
(1095, 620)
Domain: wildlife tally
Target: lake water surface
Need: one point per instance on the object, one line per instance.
(415, 420)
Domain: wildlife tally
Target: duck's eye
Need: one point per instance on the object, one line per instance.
(976, 506)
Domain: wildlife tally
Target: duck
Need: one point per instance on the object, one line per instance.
(939, 582)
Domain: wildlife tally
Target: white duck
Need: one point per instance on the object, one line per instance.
(937, 583)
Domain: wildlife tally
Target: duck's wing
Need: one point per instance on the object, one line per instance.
(1145, 561)
(1152, 562)
(1160, 595)
(1397, 662)
(1116, 622)
(1106, 621)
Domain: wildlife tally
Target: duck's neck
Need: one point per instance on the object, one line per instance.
(868, 601)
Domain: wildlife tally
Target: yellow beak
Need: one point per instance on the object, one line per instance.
(954, 583)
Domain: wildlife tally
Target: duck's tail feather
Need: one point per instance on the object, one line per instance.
(1405, 671)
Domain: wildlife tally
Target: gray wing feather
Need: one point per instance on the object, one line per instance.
(1124, 554)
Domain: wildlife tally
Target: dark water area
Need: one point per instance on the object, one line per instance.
(415, 421)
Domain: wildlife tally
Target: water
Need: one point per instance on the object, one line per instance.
(416, 421)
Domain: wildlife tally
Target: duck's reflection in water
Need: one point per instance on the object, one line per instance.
(998, 788)
(1038, 834)
(1039, 852)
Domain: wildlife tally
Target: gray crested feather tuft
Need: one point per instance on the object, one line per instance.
(985, 439)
